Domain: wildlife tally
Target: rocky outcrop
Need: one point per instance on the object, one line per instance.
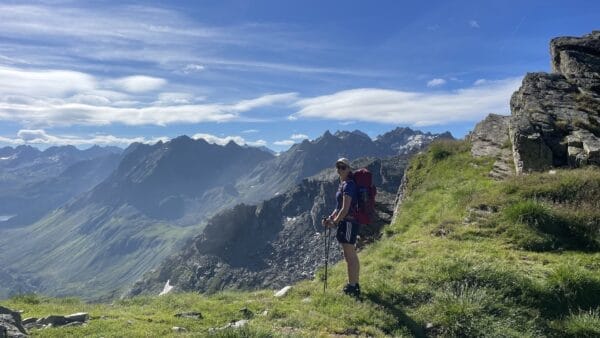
(274, 243)
(555, 118)
(10, 323)
(490, 138)
(76, 319)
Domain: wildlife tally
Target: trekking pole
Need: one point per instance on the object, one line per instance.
(328, 233)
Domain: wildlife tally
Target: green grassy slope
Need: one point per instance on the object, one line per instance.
(467, 256)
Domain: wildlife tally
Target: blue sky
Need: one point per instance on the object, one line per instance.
(266, 72)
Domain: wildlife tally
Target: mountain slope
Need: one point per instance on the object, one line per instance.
(271, 244)
(34, 182)
(310, 157)
(112, 234)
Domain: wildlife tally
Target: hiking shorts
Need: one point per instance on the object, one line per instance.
(347, 232)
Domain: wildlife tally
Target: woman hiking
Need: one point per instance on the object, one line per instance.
(347, 226)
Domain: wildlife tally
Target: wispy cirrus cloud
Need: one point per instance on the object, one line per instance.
(412, 108)
(54, 35)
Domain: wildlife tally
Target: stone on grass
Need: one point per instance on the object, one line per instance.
(78, 317)
(283, 291)
(179, 329)
(192, 315)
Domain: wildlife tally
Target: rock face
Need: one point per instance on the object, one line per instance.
(10, 323)
(490, 138)
(274, 243)
(555, 118)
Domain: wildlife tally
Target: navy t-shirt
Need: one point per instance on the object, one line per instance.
(347, 188)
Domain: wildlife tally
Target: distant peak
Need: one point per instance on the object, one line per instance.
(344, 134)
(232, 144)
(445, 135)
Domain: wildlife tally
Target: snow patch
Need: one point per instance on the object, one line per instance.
(168, 287)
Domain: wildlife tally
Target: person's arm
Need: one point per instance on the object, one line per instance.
(346, 202)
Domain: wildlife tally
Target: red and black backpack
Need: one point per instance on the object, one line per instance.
(366, 196)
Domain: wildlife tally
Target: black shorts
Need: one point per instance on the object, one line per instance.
(347, 232)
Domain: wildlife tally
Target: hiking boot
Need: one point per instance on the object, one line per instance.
(352, 290)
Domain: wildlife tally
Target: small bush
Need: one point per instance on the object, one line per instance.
(27, 298)
(441, 149)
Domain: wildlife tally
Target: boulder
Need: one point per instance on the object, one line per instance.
(192, 315)
(53, 319)
(491, 138)
(10, 323)
(78, 317)
(233, 325)
(555, 119)
(578, 59)
(29, 320)
(283, 291)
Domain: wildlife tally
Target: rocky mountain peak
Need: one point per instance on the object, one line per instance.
(345, 134)
(555, 118)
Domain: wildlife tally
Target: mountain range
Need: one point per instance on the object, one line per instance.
(157, 198)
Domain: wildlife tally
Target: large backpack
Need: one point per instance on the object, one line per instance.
(366, 196)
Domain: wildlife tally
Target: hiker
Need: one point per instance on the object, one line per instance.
(347, 226)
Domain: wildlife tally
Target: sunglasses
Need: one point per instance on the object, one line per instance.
(341, 167)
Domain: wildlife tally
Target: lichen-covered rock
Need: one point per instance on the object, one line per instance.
(555, 118)
(490, 138)
(578, 59)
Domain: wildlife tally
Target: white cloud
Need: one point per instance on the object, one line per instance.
(413, 108)
(46, 83)
(193, 68)
(473, 24)
(249, 131)
(219, 140)
(435, 82)
(258, 143)
(284, 143)
(139, 83)
(298, 137)
(38, 99)
(480, 82)
(224, 140)
(41, 137)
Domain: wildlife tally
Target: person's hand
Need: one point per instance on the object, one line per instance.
(327, 222)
